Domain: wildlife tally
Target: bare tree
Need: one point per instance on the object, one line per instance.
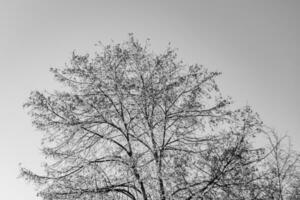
(281, 169)
(136, 125)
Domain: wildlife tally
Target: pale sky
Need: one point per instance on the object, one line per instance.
(255, 44)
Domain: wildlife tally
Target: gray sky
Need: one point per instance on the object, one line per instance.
(255, 44)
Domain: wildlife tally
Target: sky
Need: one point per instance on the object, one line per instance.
(255, 44)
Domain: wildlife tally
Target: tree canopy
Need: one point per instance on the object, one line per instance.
(132, 124)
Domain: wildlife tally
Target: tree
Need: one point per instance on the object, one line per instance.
(136, 125)
(281, 170)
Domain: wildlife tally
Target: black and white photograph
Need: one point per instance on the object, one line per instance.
(150, 100)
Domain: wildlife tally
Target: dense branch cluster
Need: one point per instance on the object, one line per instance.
(136, 125)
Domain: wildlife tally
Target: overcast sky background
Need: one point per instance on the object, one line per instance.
(255, 44)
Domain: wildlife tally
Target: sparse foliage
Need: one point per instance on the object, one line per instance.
(136, 125)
